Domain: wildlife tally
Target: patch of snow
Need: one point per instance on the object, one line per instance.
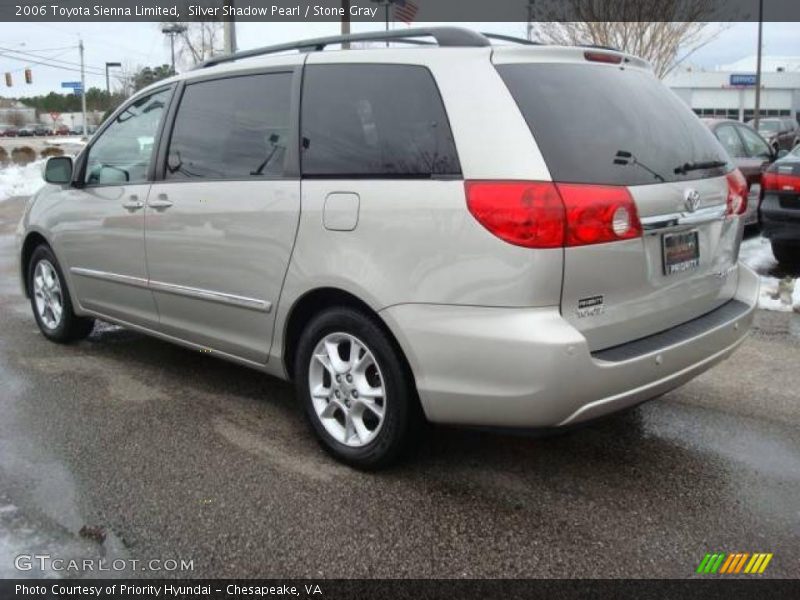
(776, 294)
(20, 181)
(65, 141)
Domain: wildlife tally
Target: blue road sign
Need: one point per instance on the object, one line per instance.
(71, 84)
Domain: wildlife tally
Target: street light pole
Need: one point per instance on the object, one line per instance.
(83, 88)
(757, 116)
(172, 31)
(108, 82)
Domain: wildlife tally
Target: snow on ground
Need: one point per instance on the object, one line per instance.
(777, 293)
(65, 141)
(20, 181)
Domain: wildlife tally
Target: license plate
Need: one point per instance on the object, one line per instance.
(681, 252)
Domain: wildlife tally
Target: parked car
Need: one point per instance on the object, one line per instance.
(42, 130)
(10, 132)
(750, 152)
(343, 220)
(25, 132)
(780, 133)
(780, 207)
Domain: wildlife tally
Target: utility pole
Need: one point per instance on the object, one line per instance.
(345, 22)
(229, 31)
(83, 87)
(757, 115)
(530, 21)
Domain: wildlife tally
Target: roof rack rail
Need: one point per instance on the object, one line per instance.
(510, 38)
(444, 36)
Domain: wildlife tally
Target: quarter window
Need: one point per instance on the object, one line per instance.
(755, 146)
(232, 128)
(731, 141)
(380, 121)
(121, 155)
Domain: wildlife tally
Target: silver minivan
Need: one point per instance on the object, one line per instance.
(511, 236)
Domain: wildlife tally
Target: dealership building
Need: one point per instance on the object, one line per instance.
(730, 91)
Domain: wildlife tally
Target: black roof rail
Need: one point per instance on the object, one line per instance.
(444, 36)
(510, 38)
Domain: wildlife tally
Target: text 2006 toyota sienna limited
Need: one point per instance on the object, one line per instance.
(515, 236)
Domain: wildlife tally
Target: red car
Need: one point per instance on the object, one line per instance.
(62, 130)
(9, 132)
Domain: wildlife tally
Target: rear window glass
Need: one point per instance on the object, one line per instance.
(374, 121)
(607, 125)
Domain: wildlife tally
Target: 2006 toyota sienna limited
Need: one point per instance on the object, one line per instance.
(513, 236)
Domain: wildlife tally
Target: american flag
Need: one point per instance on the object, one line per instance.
(405, 10)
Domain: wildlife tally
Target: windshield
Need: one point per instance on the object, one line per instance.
(769, 126)
(613, 126)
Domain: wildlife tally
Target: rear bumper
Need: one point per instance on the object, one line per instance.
(779, 224)
(529, 368)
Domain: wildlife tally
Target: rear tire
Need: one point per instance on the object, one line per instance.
(786, 253)
(50, 300)
(358, 394)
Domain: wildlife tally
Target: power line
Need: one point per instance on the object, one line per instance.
(53, 66)
(66, 62)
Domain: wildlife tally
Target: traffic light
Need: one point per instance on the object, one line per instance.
(8, 79)
(28, 76)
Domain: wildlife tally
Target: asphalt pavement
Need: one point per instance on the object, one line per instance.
(176, 455)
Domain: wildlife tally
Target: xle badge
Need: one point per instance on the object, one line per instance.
(590, 307)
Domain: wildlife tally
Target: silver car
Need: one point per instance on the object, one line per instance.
(513, 236)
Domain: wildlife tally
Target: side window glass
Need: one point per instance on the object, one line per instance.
(730, 140)
(121, 155)
(755, 146)
(232, 128)
(374, 121)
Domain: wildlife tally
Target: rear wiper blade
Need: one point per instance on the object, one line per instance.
(697, 166)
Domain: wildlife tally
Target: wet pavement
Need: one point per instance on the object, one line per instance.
(181, 456)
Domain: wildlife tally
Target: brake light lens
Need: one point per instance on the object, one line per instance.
(603, 57)
(780, 182)
(528, 214)
(597, 214)
(553, 215)
(737, 193)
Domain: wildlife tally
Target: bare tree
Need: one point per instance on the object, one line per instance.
(200, 41)
(16, 118)
(646, 28)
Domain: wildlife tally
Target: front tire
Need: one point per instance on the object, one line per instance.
(356, 389)
(50, 300)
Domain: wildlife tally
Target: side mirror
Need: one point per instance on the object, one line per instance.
(782, 153)
(58, 170)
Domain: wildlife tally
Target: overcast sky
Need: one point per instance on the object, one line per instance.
(139, 44)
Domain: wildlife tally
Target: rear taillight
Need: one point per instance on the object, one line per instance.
(737, 193)
(528, 214)
(597, 214)
(780, 182)
(551, 215)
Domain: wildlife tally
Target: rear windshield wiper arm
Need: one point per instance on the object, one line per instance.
(698, 166)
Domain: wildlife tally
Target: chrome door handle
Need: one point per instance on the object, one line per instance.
(160, 203)
(133, 203)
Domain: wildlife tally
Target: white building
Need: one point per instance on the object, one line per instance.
(730, 91)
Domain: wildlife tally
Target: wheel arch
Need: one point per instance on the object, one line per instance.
(33, 240)
(311, 303)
